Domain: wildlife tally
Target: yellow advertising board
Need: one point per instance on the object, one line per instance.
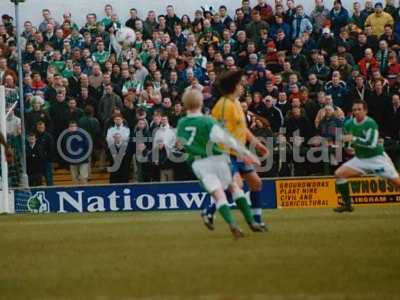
(372, 190)
(306, 193)
(313, 193)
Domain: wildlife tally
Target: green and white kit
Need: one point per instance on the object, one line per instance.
(200, 136)
(370, 156)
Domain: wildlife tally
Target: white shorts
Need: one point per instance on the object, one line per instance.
(214, 172)
(381, 166)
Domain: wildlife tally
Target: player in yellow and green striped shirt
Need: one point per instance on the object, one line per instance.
(228, 112)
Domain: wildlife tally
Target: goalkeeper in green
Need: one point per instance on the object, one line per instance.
(370, 158)
(200, 136)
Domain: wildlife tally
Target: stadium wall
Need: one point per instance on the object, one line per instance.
(31, 9)
(279, 193)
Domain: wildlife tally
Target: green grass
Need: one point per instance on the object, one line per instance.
(308, 254)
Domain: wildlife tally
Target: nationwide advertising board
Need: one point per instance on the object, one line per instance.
(321, 192)
(133, 197)
(281, 193)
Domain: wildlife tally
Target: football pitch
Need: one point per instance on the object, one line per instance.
(308, 254)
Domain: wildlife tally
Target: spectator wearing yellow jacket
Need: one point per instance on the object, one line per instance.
(378, 20)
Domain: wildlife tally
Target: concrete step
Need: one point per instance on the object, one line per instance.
(62, 176)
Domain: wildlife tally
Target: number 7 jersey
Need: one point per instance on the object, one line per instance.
(193, 132)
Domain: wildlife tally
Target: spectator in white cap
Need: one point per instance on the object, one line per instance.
(326, 43)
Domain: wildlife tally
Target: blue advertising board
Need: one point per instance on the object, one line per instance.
(130, 197)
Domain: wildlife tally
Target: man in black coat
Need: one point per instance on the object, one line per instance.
(283, 104)
(35, 160)
(120, 153)
(46, 142)
(391, 130)
(391, 122)
(359, 48)
(282, 42)
(359, 91)
(273, 114)
(298, 132)
(171, 18)
(39, 65)
(298, 61)
(314, 86)
(74, 81)
(326, 43)
(378, 101)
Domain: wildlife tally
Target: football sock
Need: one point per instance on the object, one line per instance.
(210, 210)
(255, 199)
(229, 196)
(244, 207)
(226, 214)
(343, 187)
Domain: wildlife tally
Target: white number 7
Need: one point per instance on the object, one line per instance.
(192, 131)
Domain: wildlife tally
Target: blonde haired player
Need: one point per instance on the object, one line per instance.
(201, 136)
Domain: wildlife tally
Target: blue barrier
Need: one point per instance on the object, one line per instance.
(129, 197)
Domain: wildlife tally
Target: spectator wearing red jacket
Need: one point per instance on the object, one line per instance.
(37, 82)
(265, 10)
(393, 68)
(368, 63)
(271, 57)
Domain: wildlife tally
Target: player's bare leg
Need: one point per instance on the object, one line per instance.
(253, 180)
(238, 180)
(342, 174)
(224, 210)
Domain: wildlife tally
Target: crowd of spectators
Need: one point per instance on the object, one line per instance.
(302, 71)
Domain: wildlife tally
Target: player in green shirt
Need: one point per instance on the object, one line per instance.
(200, 136)
(361, 132)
